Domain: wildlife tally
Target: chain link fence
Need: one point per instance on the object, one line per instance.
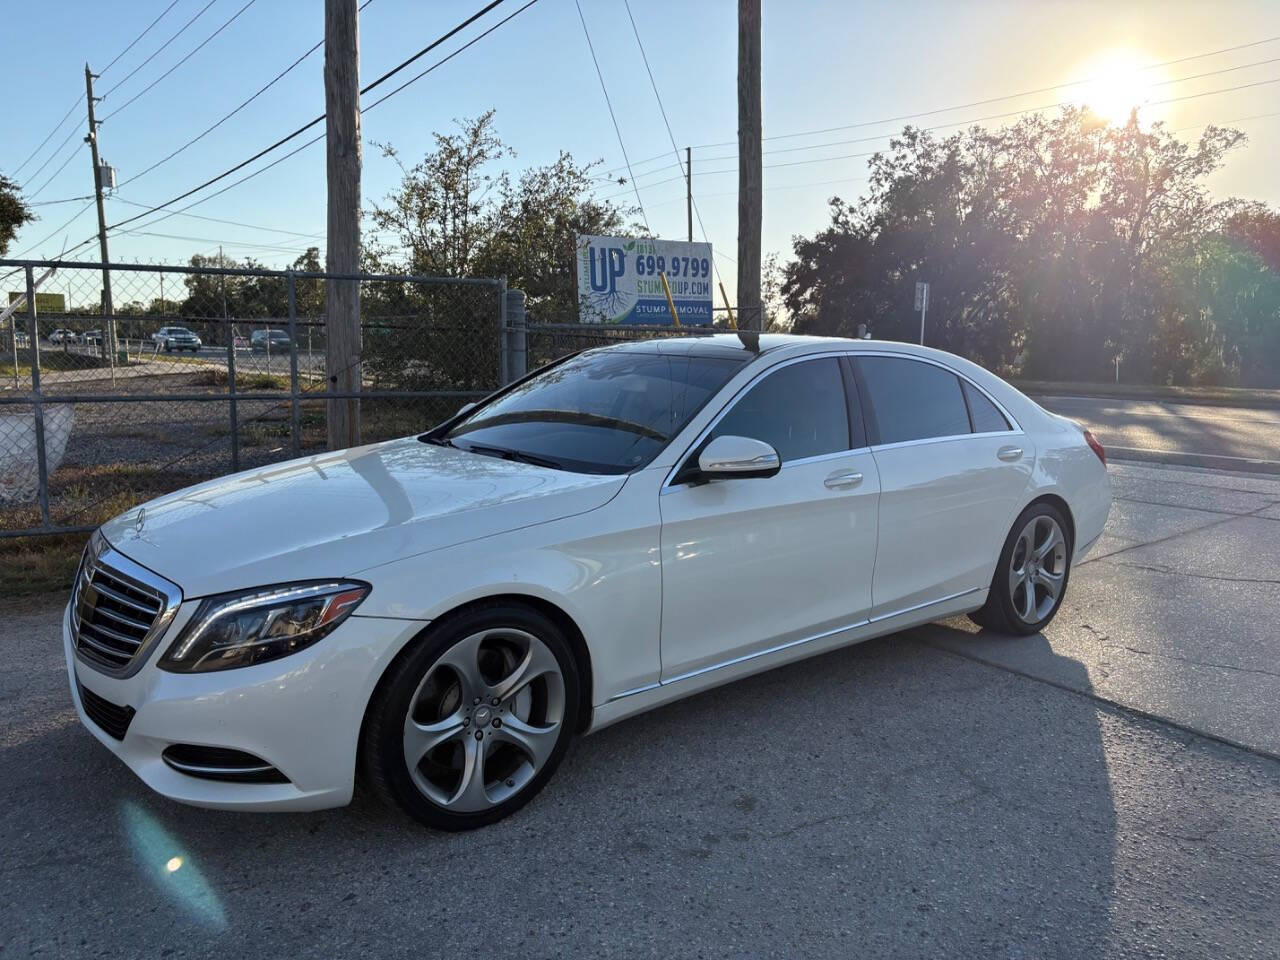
(196, 372)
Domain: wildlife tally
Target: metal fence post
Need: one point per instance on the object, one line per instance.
(42, 465)
(504, 336)
(295, 416)
(231, 391)
(517, 334)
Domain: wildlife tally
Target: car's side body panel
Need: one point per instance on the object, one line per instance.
(601, 568)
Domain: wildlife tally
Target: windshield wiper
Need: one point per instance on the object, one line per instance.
(504, 454)
(439, 441)
(566, 416)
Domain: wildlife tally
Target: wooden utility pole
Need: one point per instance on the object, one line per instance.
(342, 297)
(750, 316)
(108, 343)
(688, 188)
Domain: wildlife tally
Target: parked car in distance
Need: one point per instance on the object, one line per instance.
(93, 336)
(274, 341)
(625, 527)
(176, 338)
(62, 335)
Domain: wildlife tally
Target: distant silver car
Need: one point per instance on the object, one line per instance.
(176, 338)
(62, 335)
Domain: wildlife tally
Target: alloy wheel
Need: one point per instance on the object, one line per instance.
(484, 719)
(1037, 569)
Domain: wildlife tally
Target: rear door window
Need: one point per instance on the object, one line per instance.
(986, 416)
(912, 400)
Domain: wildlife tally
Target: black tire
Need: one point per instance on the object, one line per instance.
(999, 613)
(168, 349)
(382, 755)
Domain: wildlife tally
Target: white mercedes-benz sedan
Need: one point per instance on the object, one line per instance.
(627, 526)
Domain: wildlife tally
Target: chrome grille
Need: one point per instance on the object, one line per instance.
(117, 607)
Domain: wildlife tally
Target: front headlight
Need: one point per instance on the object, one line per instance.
(253, 626)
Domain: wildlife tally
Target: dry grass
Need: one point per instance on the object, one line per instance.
(85, 496)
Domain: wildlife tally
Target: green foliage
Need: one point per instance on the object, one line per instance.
(455, 215)
(1053, 246)
(14, 212)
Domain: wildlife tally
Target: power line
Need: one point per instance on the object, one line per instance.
(138, 37)
(443, 60)
(940, 126)
(161, 49)
(76, 102)
(667, 123)
(71, 156)
(233, 223)
(612, 116)
(50, 203)
(49, 136)
(259, 92)
(48, 160)
(79, 213)
(977, 103)
(191, 54)
(307, 126)
(1011, 96)
(313, 140)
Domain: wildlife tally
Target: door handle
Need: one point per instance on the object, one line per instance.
(843, 480)
(1009, 453)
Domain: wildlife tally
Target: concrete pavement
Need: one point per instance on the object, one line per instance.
(936, 793)
(1188, 434)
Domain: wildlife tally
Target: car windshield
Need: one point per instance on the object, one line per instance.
(599, 412)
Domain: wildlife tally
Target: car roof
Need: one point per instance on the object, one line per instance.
(742, 345)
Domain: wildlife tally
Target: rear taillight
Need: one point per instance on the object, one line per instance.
(1095, 446)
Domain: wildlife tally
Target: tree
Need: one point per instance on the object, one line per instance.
(14, 213)
(1051, 246)
(455, 215)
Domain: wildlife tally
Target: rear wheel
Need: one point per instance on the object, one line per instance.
(472, 722)
(1031, 576)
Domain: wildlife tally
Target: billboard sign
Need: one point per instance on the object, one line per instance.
(46, 303)
(620, 280)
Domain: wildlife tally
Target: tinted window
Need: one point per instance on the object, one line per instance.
(913, 400)
(799, 409)
(599, 412)
(984, 414)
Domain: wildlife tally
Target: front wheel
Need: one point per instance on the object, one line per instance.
(472, 721)
(1031, 575)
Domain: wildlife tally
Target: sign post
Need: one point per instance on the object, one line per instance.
(922, 304)
(644, 280)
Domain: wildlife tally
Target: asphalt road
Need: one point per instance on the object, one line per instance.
(1230, 438)
(1108, 789)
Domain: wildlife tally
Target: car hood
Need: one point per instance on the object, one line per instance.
(336, 514)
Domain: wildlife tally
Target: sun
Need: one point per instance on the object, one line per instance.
(1112, 85)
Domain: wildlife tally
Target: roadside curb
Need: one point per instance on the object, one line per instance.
(1205, 460)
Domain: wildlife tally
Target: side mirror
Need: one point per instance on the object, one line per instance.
(725, 458)
(464, 409)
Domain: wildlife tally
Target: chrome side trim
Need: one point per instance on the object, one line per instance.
(927, 603)
(628, 693)
(793, 643)
(763, 653)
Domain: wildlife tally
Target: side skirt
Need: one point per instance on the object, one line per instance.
(633, 702)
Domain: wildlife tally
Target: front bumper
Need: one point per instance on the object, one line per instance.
(301, 714)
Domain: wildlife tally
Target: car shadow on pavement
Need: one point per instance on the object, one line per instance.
(891, 799)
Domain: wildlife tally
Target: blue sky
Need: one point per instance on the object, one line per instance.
(825, 64)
